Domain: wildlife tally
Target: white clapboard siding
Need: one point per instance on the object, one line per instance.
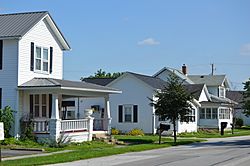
(41, 36)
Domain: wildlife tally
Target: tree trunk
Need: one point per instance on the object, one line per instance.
(174, 132)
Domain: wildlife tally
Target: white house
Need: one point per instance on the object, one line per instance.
(31, 72)
(214, 111)
(131, 109)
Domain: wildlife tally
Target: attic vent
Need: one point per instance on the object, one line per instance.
(202, 76)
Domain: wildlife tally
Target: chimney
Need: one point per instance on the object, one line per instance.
(184, 69)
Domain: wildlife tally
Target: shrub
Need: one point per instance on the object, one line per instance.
(6, 116)
(136, 132)
(115, 131)
(27, 129)
(238, 122)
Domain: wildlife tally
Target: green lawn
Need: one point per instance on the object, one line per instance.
(216, 134)
(97, 149)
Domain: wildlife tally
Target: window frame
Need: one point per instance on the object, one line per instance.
(222, 92)
(210, 112)
(42, 60)
(224, 113)
(40, 106)
(131, 113)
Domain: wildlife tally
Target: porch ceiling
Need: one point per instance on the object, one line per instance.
(74, 88)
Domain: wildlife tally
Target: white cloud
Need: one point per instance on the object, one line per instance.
(245, 49)
(148, 42)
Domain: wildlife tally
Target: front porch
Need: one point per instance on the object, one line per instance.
(51, 117)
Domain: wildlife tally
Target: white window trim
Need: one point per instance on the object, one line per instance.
(40, 106)
(224, 92)
(42, 60)
(224, 114)
(211, 111)
(132, 113)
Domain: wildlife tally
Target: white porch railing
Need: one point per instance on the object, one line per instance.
(71, 125)
(41, 126)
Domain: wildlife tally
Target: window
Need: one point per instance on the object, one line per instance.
(203, 113)
(40, 105)
(128, 113)
(224, 113)
(208, 113)
(42, 59)
(222, 92)
(214, 113)
(191, 116)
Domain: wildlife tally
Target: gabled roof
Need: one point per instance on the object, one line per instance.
(15, 26)
(177, 72)
(194, 89)
(65, 84)
(209, 80)
(154, 82)
(99, 81)
(235, 96)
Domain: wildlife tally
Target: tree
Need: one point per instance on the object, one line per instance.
(102, 74)
(173, 102)
(246, 98)
(6, 116)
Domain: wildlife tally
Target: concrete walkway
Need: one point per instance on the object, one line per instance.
(22, 154)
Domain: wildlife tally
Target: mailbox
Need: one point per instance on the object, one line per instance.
(164, 127)
(223, 125)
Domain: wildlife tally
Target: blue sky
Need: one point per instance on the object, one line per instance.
(145, 35)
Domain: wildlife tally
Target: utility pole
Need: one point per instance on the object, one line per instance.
(213, 69)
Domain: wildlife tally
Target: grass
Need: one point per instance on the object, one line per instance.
(216, 134)
(98, 149)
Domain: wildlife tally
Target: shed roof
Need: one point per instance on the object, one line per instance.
(51, 82)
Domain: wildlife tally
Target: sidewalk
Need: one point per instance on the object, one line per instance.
(35, 155)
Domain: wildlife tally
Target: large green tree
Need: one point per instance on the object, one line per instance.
(173, 102)
(246, 98)
(103, 74)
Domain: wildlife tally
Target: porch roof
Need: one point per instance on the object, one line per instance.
(44, 83)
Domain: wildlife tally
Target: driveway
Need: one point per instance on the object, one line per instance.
(232, 151)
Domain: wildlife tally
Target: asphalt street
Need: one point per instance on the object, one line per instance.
(234, 151)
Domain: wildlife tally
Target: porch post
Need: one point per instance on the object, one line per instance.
(55, 123)
(108, 116)
(90, 127)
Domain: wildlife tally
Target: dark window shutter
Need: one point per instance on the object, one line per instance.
(32, 56)
(120, 114)
(50, 105)
(0, 98)
(31, 106)
(51, 59)
(1, 54)
(135, 114)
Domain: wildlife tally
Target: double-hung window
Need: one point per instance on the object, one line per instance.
(41, 59)
(40, 105)
(128, 113)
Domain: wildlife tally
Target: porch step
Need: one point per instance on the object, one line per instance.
(99, 136)
(107, 139)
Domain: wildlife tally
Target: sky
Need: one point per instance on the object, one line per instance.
(143, 36)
